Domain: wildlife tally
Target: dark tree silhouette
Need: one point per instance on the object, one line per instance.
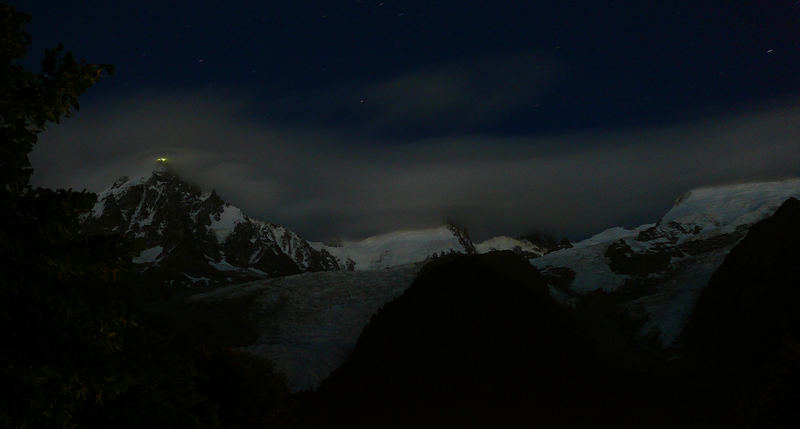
(60, 330)
(77, 348)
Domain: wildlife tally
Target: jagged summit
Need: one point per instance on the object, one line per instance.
(193, 236)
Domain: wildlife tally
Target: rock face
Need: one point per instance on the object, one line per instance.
(194, 237)
(657, 271)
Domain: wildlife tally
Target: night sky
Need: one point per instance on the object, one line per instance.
(350, 118)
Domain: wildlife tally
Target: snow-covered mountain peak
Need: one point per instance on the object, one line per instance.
(396, 248)
(173, 217)
(409, 246)
(660, 269)
(193, 236)
(727, 207)
(503, 242)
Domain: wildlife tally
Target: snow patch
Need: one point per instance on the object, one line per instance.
(612, 234)
(227, 221)
(222, 265)
(206, 280)
(99, 208)
(315, 318)
(589, 264)
(148, 255)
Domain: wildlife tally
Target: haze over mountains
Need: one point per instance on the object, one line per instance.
(190, 236)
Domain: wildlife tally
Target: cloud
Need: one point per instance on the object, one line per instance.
(325, 182)
(449, 96)
(478, 91)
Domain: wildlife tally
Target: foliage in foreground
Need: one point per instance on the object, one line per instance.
(77, 348)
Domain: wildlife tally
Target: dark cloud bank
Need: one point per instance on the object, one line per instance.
(324, 181)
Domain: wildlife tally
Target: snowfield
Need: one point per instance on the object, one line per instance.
(148, 255)
(311, 321)
(223, 225)
(721, 209)
(395, 248)
(698, 217)
(586, 258)
(405, 247)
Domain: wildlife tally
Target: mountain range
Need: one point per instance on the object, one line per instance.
(652, 274)
(190, 237)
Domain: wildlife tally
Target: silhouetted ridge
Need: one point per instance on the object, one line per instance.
(477, 341)
(746, 326)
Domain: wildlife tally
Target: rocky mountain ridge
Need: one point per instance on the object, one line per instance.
(194, 237)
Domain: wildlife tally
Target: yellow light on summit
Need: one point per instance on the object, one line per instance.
(161, 160)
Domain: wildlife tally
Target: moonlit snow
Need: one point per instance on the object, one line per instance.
(395, 248)
(708, 212)
(311, 321)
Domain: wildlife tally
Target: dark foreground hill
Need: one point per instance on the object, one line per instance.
(745, 330)
(478, 341)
